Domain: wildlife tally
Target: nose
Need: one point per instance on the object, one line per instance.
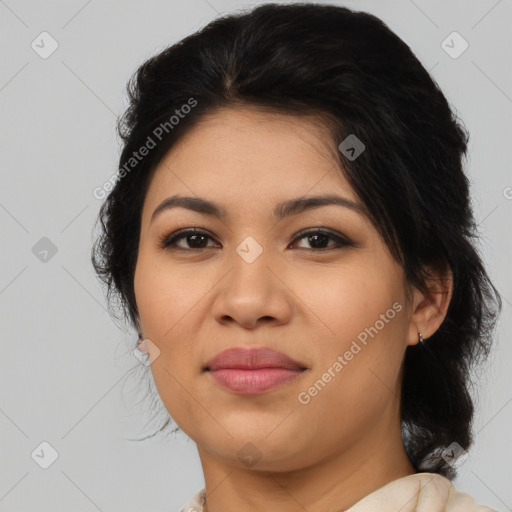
(253, 293)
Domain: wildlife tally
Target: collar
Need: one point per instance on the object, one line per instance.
(421, 492)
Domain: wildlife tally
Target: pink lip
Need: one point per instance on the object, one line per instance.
(252, 370)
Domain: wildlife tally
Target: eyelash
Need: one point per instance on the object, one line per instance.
(168, 242)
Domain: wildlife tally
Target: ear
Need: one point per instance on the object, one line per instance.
(429, 309)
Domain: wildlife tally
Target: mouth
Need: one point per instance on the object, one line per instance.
(252, 370)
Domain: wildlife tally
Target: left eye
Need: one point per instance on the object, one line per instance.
(318, 238)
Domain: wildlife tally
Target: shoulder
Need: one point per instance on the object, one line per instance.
(421, 491)
(195, 503)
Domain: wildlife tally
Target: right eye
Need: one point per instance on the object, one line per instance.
(193, 237)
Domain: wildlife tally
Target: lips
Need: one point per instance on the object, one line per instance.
(252, 358)
(252, 370)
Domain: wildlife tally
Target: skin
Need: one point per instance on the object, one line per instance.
(301, 300)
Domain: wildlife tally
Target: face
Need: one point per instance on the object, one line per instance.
(316, 283)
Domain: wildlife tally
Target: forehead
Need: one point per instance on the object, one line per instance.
(247, 157)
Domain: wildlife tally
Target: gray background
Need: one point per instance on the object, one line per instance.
(65, 363)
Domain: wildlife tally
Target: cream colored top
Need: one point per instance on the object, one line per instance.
(421, 492)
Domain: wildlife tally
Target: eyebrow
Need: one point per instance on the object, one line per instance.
(281, 210)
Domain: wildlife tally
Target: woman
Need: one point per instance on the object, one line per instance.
(291, 235)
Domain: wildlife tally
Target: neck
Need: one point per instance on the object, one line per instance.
(335, 482)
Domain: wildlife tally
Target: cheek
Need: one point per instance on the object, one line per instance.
(166, 297)
(352, 385)
(364, 319)
(169, 300)
(345, 301)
